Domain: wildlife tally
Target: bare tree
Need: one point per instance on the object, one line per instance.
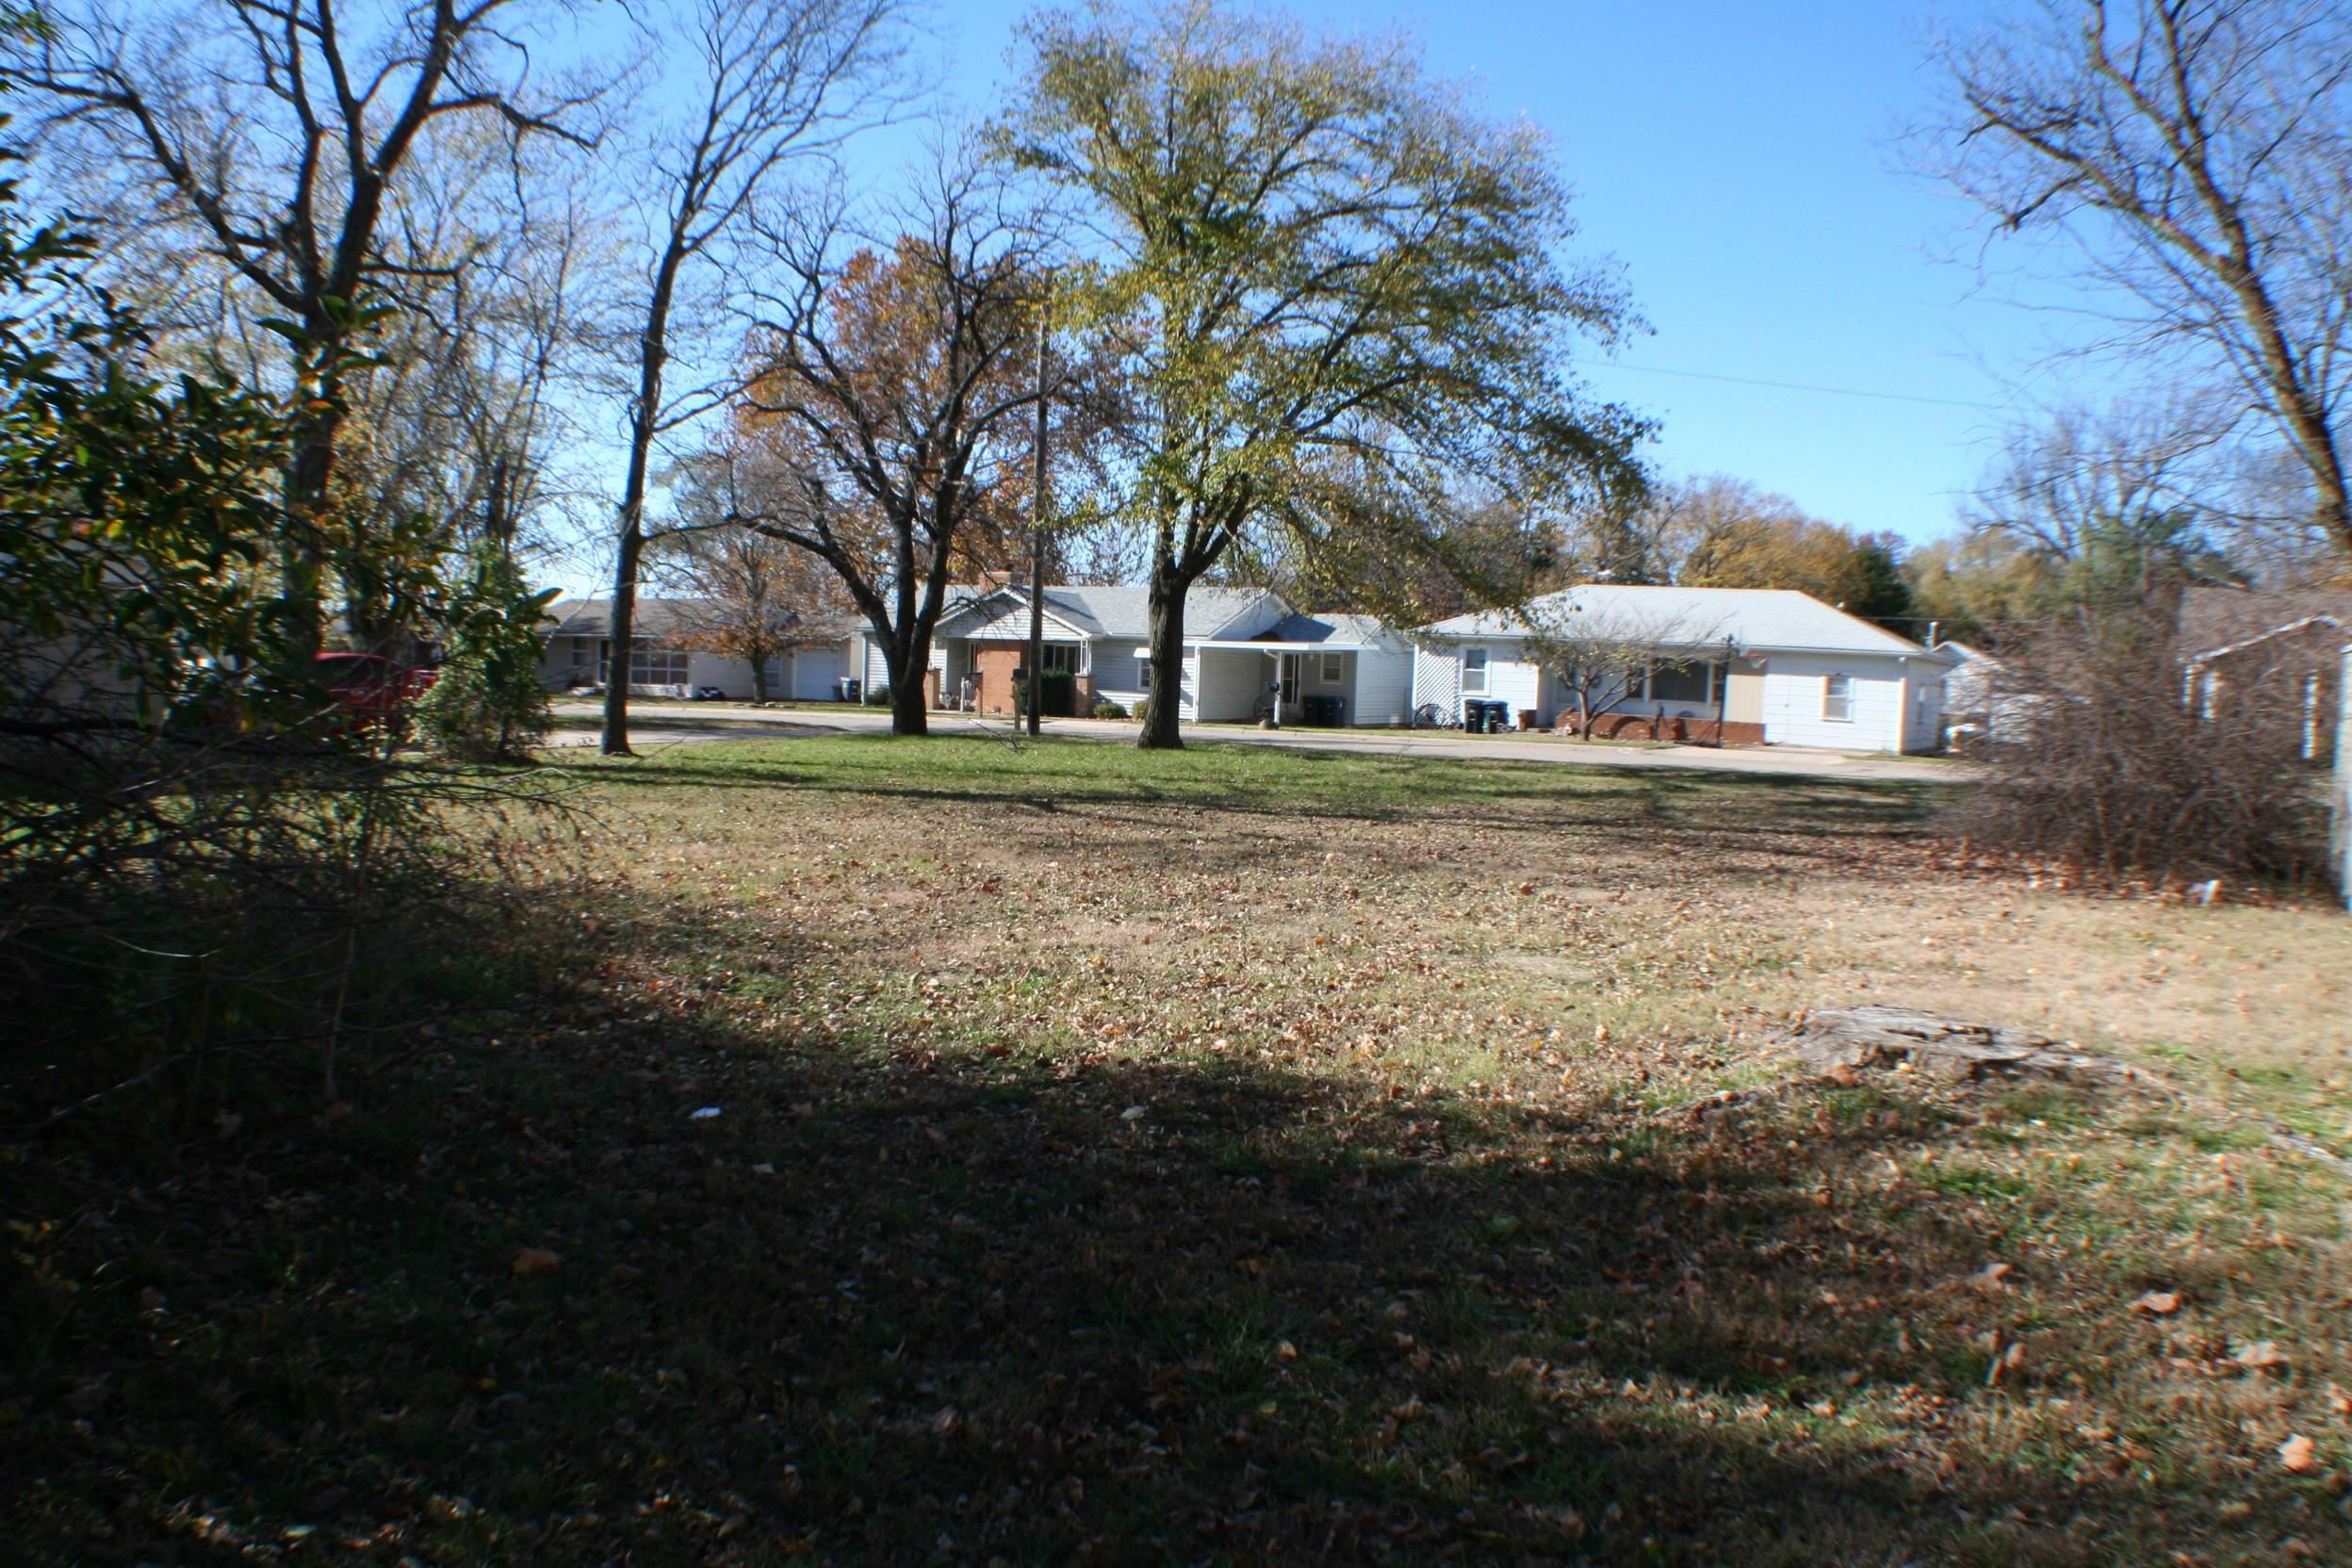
(277, 131)
(893, 407)
(2193, 152)
(743, 595)
(770, 86)
(1601, 653)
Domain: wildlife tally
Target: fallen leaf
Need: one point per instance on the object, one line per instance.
(1287, 1350)
(2338, 1400)
(536, 1260)
(1134, 1113)
(2261, 1356)
(2296, 1455)
(1991, 1275)
(2158, 1303)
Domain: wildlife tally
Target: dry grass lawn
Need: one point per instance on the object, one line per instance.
(1248, 1157)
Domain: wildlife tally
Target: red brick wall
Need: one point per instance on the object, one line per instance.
(1643, 726)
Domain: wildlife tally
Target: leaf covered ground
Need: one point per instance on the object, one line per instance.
(1232, 1157)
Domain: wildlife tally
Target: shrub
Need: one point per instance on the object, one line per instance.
(1060, 688)
(878, 696)
(1140, 709)
(2101, 757)
(489, 703)
(1105, 709)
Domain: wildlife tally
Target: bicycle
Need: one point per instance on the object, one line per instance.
(1429, 715)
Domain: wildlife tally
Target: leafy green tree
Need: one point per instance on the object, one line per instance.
(1343, 288)
(1876, 589)
(489, 703)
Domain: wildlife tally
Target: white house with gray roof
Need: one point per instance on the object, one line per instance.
(1239, 644)
(1768, 664)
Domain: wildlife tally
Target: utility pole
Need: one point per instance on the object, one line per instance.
(1037, 525)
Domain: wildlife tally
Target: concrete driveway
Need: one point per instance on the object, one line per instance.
(671, 723)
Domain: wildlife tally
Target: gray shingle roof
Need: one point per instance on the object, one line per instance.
(1345, 630)
(1121, 610)
(1759, 619)
(666, 617)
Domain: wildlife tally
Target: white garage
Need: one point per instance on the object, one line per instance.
(816, 670)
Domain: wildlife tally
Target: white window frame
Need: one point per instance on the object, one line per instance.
(1837, 699)
(1474, 670)
(1335, 668)
(1061, 658)
(644, 660)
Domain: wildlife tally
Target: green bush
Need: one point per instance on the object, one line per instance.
(1141, 710)
(1105, 709)
(878, 696)
(1061, 695)
(489, 703)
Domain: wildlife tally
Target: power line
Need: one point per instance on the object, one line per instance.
(1805, 386)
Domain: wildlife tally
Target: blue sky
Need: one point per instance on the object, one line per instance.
(1736, 157)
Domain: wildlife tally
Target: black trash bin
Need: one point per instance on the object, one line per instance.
(1474, 718)
(1326, 712)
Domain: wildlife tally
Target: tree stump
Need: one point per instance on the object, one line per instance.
(1845, 1042)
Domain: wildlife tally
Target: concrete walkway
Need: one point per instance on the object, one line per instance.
(671, 723)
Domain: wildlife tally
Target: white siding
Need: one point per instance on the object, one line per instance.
(1383, 693)
(1118, 671)
(812, 673)
(1224, 683)
(729, 675)
(1793, 687)
(1437, 680)
(1511, 680)
(1013, 627)
(1923, 722)
(565, 656)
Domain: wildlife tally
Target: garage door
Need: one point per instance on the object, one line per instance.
(814, 672)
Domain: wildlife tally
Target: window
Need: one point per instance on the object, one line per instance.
(1061, 656)
(657, 666)
(1332, 665)
(579, 651)
(1473, 669)
(1678, 682)
(1837, 699)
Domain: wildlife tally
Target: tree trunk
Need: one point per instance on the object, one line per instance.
(622, 629)
(302, 556)
(759, 681)
(907, 717)
(1166, 685)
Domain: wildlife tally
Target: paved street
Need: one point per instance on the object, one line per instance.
(704, 722)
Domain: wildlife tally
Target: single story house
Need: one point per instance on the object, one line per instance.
(1742, 665)
(1237, 643)
(662, 663)
(1968, 688)
(2237, 642)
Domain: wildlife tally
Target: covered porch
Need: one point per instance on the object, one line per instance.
(1239, 681)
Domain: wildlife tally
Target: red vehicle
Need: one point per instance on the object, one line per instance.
(371, 691)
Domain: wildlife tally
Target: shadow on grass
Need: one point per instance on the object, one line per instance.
(907, 1306)
(1453, 797)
